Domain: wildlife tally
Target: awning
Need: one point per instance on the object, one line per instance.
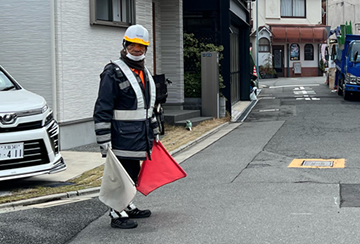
(302, 34)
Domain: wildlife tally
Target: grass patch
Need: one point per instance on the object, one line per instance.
(175, 137)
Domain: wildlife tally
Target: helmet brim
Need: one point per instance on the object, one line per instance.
(136, 40)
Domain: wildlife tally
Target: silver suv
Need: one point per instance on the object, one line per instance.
(29, 134)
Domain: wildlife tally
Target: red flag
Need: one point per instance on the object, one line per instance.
(162, 169)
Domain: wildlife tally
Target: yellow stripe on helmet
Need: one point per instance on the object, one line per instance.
(136, 40)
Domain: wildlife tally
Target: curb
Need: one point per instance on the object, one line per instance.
(83, 192)
(49, 198)
(197, 140)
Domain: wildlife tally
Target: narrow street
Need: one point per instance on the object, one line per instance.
(239, 189)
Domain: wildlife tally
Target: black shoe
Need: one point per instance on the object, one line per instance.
(123, 223)
(137, 213)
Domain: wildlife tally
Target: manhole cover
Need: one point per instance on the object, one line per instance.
(318, 163)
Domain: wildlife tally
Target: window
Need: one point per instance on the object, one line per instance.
(309, 52)
(294, 52)
(293, 8)
(264, 45)
(112, 12)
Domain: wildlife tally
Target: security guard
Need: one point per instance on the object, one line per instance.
(123, 114)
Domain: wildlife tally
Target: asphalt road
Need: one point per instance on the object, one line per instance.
(238, 189)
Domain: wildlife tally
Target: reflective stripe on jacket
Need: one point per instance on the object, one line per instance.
(124, 111)
(141, 113)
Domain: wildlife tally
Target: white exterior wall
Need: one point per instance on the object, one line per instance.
(78, 75)
(172, 57)
(26, 44)
(304, 63)
(52, 49)
(94, 47)
(339, 12)
(82, 51)
(263, 55)
(269, 13)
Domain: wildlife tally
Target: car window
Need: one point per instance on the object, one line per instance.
(5, 83)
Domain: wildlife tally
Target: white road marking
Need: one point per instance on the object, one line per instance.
(293, 86)
(305, 94)
(269, 110)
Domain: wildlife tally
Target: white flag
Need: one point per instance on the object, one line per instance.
(117, 188)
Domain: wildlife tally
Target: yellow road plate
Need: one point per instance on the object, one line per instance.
(317, 163)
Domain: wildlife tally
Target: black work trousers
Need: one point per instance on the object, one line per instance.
(132, 167)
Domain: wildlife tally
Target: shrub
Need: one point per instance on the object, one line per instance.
(192, 54)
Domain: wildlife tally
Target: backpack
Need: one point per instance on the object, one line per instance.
(161, 88)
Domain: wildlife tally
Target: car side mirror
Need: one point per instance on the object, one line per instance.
(355, 56)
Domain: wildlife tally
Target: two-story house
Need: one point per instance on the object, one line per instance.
(291, 32)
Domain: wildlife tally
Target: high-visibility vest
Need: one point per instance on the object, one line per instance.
(141, 113)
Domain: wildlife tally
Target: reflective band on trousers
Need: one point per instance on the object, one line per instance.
(130, 154)
(102, 125)
(101, 138)
(132, 115)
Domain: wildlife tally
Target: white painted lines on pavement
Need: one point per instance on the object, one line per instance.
(293, 86)
(269, 110)
(301, 92)
(305, 93)
(59, 202)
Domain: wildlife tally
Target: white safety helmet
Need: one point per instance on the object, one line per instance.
(137, 34)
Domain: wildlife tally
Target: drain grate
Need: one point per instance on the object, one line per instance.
(318, 163)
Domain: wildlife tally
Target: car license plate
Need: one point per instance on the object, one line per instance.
(11, 151)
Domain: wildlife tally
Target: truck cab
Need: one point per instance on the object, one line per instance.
(348, 66)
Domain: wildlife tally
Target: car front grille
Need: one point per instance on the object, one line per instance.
(35, 153)
(53, 132)
(22, 127)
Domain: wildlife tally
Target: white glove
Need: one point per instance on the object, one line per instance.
(157, 138)
(104, 148)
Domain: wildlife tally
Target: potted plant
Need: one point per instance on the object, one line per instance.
(267, 70)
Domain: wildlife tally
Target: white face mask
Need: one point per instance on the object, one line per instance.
(135, 58)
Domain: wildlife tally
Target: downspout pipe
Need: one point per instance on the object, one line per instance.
(53, 61)
(288, 59)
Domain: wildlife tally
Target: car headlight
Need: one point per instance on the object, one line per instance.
(44, 108)
(352, 79)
